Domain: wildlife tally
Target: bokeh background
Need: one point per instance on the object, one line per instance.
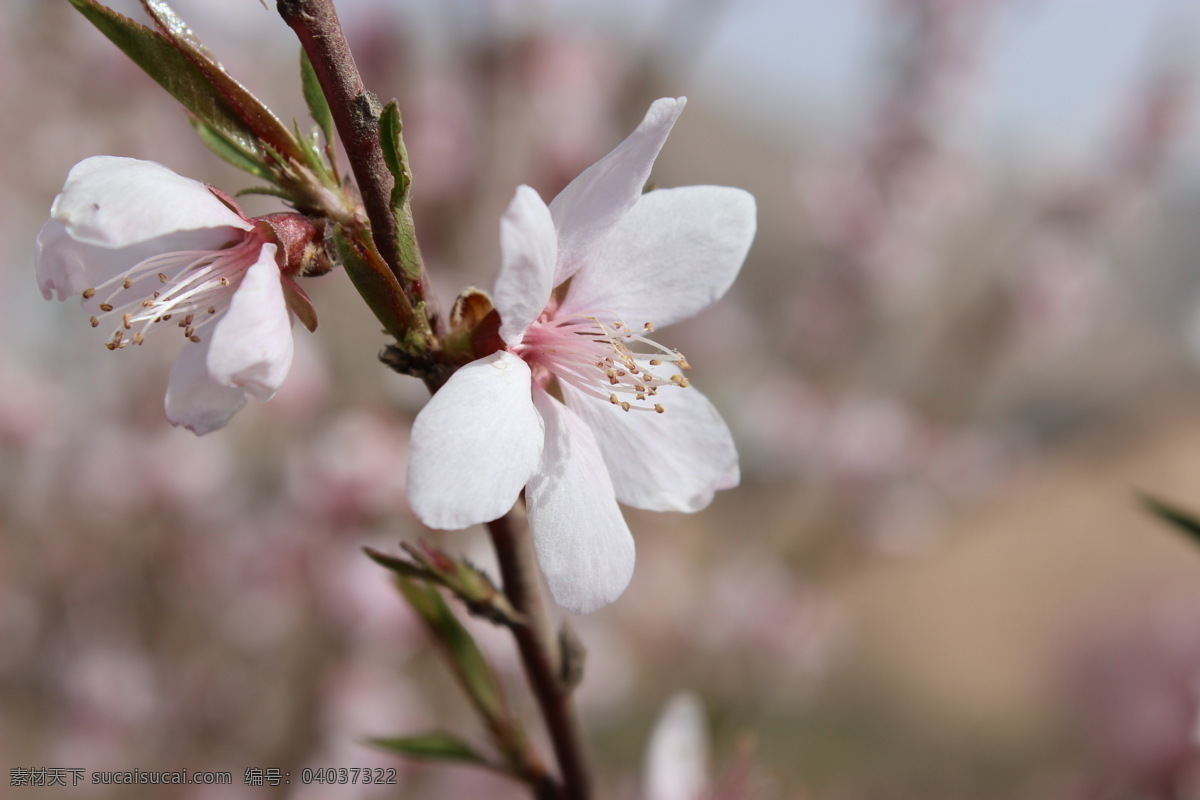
(965, 337)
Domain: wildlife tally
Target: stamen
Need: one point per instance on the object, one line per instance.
(196, 281)
(603, 357)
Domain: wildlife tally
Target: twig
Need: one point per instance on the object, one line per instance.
(540, 655)
(355, 114)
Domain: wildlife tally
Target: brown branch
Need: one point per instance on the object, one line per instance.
(355, 114)
(541, 657)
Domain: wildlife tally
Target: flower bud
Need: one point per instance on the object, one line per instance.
(301, 241)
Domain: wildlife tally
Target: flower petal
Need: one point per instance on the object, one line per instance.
(586, 211)
(66, 267)
(674, 254)
(674, 461)
(677, 756)
(583, 544)
(115, 202)
(252, 342)
(475, 444)
(194, 400)
(61, 265)
(529, 246)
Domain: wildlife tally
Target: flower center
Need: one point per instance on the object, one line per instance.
(191, 288)
(601, 356)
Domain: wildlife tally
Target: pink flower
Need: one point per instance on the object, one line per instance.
(151, 251)
(582, 409)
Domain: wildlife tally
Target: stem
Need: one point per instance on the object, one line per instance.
(355, 114)
(540, 655)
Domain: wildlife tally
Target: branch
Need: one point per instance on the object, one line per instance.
(541, 657)
(355, 114)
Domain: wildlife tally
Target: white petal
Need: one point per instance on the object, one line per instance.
(677, 756)
(66, 267)
(583, 544)
(115, 202)
(528, 246)
(194, 399)
(674, 461)
(475, 444)
(592, 204)
(674, 254)
(252, 342)
(61, 269)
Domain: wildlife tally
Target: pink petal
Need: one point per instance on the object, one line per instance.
(673, 255)
(194, 400)
(115, 202)
(674, 461)
(475, 444)
(252, 342)
(529, 247)
(583, 544)
(586, 211)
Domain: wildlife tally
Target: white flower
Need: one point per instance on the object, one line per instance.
(149, 250)
(568, 410)
(676, 760)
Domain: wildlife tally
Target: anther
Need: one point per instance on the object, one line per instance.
(189, 331)
(88, 294)
(106, 307)
(656, 362)
(612, 398)
(127, 321)
(625, 406)
(138, 338)
(649, 327)
(212, 309)
(658, 407)
(95, 322)
(680, 381)
(162, 277)
(194, 338)
(128, 282)
(224, 281)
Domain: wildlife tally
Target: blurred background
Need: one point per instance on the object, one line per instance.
(965, 338)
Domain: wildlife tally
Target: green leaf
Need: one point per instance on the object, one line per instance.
(245, 106)
(1181, 520)
(391, 139)
(374, 281)
(313, 156)
(434, 745)
(464, 655)
(314, 97)
(175, 72)
(228, 151)
(405, 569)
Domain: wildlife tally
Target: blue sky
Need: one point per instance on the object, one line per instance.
(1054, 74)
